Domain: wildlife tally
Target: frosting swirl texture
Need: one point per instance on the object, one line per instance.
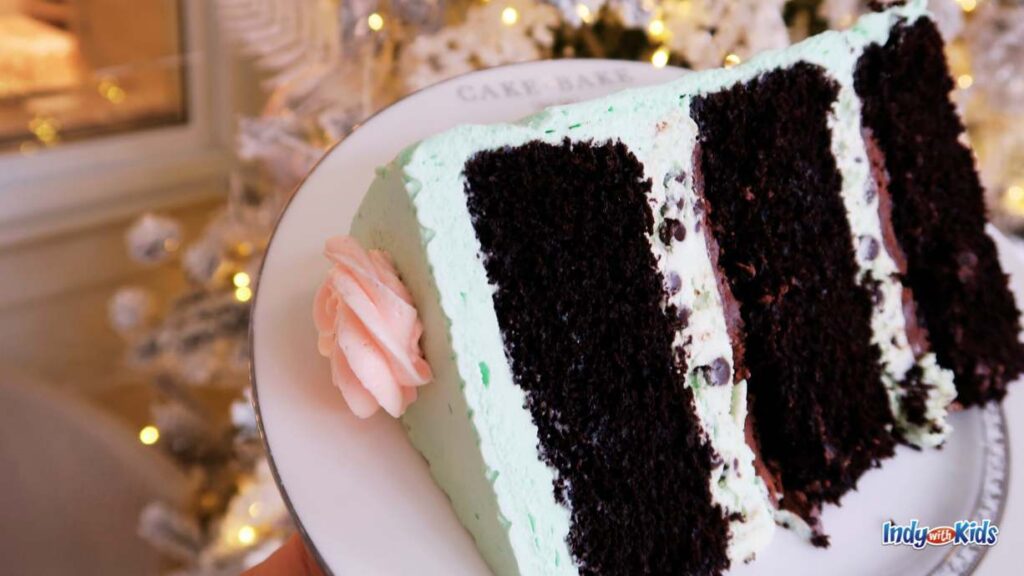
(369, 329)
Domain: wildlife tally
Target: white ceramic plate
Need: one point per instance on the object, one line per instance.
(363, 497)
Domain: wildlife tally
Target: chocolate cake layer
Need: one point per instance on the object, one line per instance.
(773, 199)
(938, 212)
(564, 231)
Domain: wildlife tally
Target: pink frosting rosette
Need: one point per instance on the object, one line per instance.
(369, 330)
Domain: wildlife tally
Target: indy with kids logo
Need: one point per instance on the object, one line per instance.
(961, 533)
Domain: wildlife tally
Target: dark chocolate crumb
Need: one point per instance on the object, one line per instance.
(915, 396)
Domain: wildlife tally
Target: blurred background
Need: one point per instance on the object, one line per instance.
(146, 149)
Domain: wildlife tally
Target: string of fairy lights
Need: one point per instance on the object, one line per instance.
(657, 30)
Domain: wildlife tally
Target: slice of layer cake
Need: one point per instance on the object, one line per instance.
(601, 284)
(586, 415)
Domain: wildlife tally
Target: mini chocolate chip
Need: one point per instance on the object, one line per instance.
(669, 229)
(674, 283)
(681, 176)
(698, 207)
(717, 374)
(679, 231)
(664, 234)
(721, 369)
(716, 459)
(876, 293)
(868, 248)
(870, 194)
(684, 316)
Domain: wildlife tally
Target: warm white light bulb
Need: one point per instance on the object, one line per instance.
(509, 16)
(149, 435)
(375, 22)
(1013, 200)
(243, 293)
(583, 11)
(656, 28)
(660, 57)
(241, 280)
(246, 535)
(967, 5)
